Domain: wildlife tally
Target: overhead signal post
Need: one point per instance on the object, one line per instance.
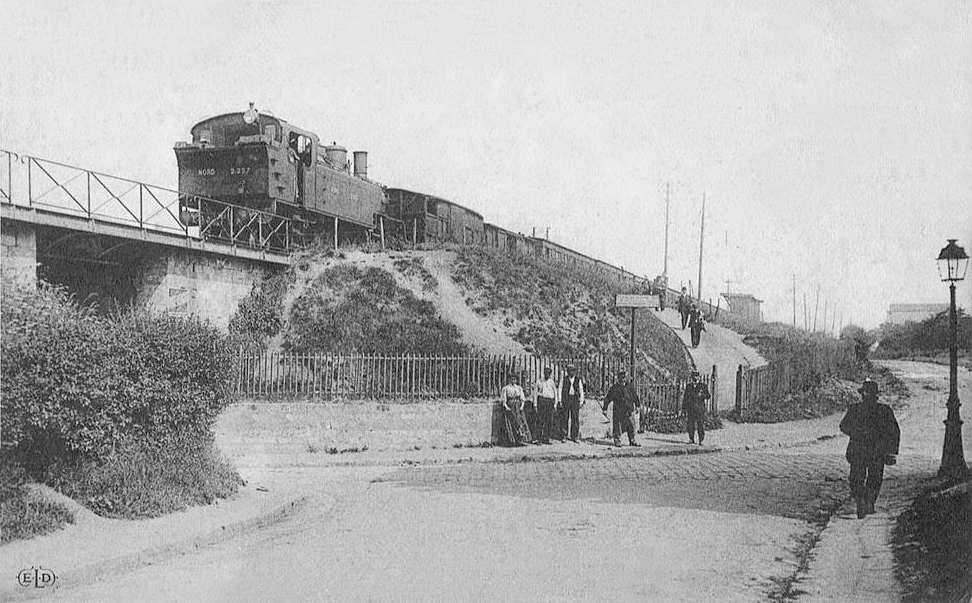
(633, 302)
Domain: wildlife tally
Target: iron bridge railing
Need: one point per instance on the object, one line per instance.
(37, 183)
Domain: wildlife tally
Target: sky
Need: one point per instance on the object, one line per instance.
(831, 139)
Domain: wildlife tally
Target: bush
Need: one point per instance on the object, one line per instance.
(922, 338)
(74, 383)
(259, 315)
(78, 388)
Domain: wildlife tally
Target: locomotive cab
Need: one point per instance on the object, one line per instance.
(248, 159)
(259, 161)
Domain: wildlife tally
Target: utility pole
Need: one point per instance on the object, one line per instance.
(794, 301)
(665, 268)
(806, 324)
(701, 242)
(823, 324)
(816, 306)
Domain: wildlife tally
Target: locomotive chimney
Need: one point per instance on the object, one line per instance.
(361, 164)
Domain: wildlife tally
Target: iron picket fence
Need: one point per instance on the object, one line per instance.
(328, 376)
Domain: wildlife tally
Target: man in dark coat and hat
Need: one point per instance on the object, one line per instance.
(684, 306)
(693, 405)
(625, 400)
(874, 439)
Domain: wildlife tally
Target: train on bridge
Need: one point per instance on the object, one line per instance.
(263, 163)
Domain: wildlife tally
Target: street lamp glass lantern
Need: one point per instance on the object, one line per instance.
(952, 262)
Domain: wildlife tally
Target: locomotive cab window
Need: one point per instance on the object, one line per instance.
(303, 148)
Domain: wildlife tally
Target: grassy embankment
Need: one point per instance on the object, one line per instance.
(327, 304)
(554, 311)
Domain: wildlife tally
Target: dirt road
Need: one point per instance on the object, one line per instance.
(715, 527)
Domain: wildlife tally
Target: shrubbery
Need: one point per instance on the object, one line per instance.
(927, 337)
(259, 315)
(80, 389)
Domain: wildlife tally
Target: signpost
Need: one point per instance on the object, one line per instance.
(634, 301)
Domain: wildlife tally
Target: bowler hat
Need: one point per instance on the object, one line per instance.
(869, 387)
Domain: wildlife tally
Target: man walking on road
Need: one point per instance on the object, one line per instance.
(571, 399)
(625, 400)
(874, 439)
(684, 306)
(693, 405)
(546, 390)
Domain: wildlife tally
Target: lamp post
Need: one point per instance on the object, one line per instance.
(952, 264)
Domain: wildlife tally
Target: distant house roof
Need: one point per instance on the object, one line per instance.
(741, 297)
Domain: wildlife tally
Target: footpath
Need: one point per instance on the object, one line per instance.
(719, 347)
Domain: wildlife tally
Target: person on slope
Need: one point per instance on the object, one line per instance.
(684, 306)
(696, 325)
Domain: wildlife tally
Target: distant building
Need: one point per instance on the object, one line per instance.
(745, 305)
(899, 314)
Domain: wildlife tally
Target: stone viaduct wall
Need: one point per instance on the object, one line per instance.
(166, 279)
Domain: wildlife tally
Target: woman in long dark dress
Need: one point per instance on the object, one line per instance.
(512, 398)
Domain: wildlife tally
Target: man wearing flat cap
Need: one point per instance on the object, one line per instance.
(874, 438)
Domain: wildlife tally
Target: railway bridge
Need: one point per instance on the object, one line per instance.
(124, 242)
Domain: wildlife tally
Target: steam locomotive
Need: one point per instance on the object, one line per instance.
(266, 168)
(258, 161)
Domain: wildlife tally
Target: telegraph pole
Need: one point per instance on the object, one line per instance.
(701, 242)
(665, 269)
(794, 301)
(816, 306)
(824, 323)
(806, 320)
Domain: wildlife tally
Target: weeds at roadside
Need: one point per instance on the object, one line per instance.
(933, 545)
(143, 479)
(21, 516)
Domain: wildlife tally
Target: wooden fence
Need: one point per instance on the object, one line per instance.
(406, 376)
(773, 381)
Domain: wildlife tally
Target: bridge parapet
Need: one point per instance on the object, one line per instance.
(61, 189)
